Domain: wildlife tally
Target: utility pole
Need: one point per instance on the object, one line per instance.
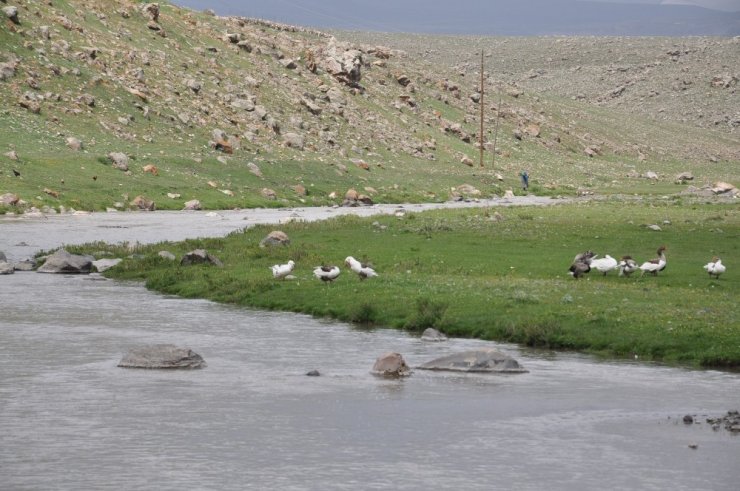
(481, 108)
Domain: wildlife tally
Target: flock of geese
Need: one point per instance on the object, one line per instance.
(326, 273)
(587, 261)
(583, 263)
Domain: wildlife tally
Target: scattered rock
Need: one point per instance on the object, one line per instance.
(299, 189)
(200, 256)
(654, 228)
(483, 360)
(9, 199)
(254, 169)
(162, 356)
(391, 365)
(142, 203)
(293, 140)
(167, 255)
(688, 419)
(12, 14)
(27, 264)
(724, 188)
(62, 262)
(193, 204)
(275, 238)
(6, 268)
(268, 193)
(105, 264)
(684, 177)
(74, 143)
(313, 373)
(120, 160)
(651, 175)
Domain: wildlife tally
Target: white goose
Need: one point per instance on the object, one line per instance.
(627, 266)
(362, 270)
(715, 267)
(280, 271)
(604, 264)
(326, 273)
(655, 265)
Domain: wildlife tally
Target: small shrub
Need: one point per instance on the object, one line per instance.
(363, 313)
(428, 313)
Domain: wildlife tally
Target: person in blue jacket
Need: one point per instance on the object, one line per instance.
(525, 180)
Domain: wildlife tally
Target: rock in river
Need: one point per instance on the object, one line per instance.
(391, 365)
(162, 356)
(483, 360)
(65, 263)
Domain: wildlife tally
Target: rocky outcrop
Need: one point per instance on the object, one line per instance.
(162, 356)
(343, 62)
(62, 262)
(200, 256)
(391, 365)
(486, 360)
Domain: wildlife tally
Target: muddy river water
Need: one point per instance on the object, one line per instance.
(70, 419)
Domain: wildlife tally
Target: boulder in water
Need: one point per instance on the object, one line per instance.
(62, 262)
(432, 335)
(162, 356)
(391, 365)
(6, 268)
(483, 360)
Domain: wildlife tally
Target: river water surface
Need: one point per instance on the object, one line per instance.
(70, 419)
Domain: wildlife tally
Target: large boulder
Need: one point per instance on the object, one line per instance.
(487, 360)
(27, 264)
(120, 160)
(200, 256)
(62, 262)
(391, 365)
(162, 356)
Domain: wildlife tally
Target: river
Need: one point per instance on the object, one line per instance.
(70, 419)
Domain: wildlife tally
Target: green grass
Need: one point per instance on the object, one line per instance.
(471, 276)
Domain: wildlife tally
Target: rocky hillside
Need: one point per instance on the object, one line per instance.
(127, 104)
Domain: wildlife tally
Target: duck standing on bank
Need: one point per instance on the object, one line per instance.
(326, 274)
(362, 270)
(715, 267)
(581, 264)
(627, 266)
(604, 264)
(655, 265)
(280, 271)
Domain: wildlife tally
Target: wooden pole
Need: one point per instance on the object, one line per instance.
(495, 130)
(481, 109)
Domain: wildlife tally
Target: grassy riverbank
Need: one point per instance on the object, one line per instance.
(474, 273)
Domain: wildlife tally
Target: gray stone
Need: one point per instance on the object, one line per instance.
(167, 255)
(193, 204)
(275, 238)
(105, 264)
(162, 356)
(2, 256)
(200, 256)
(293, 140)
(433, 335)
(487, 360)
(120, 160)
(6, 268)
(74, 143)
(62, 262)
(391, 365)
(12, 14)
(27, 264)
